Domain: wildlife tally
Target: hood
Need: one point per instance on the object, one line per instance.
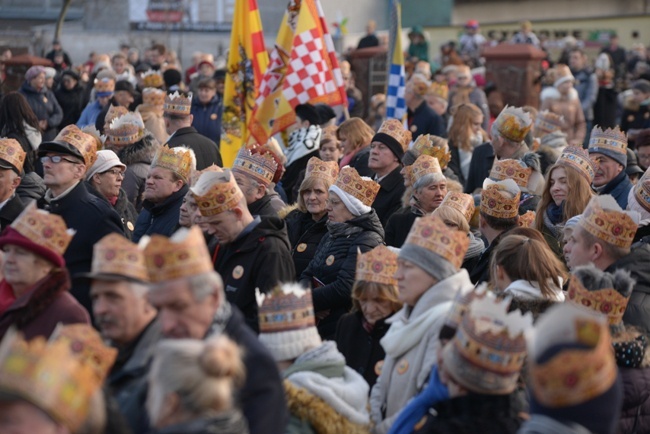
(140, 152)
(269, 227)
(368, 222)
(28, 88)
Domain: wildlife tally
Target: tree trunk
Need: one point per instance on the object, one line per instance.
(59, 22)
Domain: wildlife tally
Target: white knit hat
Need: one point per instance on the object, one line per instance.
(106, 160)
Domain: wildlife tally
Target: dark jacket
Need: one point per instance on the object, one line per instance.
(92, 218)
(30, 158)
(292, 174)
(207, 118)
(399, 226)
(70, 102)
(257, 259)
(31, 187)
(637, 312)
(160, 218)
(304, 235)
(45, 107)
(389, 197)
(263, 207)
(10, 211)
(361, 349)
(123, 207)
(231, 422)
(43, 307)
(206, 151)
(334, 265)
(423, 120)
(479, 167)
(138, 158)
(360, 162)
(635, 414)
(481, 271)
(619, 188)
(454, 163)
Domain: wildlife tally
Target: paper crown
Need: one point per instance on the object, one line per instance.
(152, 78)
(126, 130)
(12, 153)
(513, 123)
(197, 173)
(362, 188)
(642, 191)
(427, 144)
(326, 170)
(43, 228)
(257, 164)
(100, 139)
(184, 254)
(604, 219)
(526, 220)
(547, 122)
(439, 89)
(216, 192)
(377, 265)
(611, 140)
(607, 301)
(459, 307)
(51, 376)
(178, 160)
(178, 104)
(153, 97)
(583, 366)
(511, 169)
(461, 202)
(114, 255)
(578, 159)
(84, 143)
(500, 199)
(104, 85)
(396, 130)
(114, 112)
(488, 351)
(425, 165)
(431, 233)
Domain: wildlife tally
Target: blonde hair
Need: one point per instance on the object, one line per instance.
(356, 131)
(308, 183)
(460, 131)
(363, 290)
(447, 213)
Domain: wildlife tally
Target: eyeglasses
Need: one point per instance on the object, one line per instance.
(56, 159)
(115, 172)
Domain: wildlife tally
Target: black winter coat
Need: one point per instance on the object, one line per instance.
(361, 349)
(304, 235)
(70, 102)
(263, 207)
(479, 167)
(123, 207)
(45, 107)
(635, 414)
(637, 263)
(481, 271)
(389, 197)
(207, 118)
(10, 211)
(206, 151)
(160, 218)
(292, 175)
(360, 163)
(399, 226)
(423, 120)
(260, 259)
(335, 265)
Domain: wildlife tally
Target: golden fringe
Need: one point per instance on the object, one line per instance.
(323, 418)
(284, 212)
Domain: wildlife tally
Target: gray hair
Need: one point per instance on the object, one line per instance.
(427, 180)
(205, 284)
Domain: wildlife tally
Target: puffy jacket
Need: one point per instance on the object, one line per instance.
(160, 218)
(635, 414)
(335, 264)
(207, 118)
(304, 235)
(637, 312)
(45, 107)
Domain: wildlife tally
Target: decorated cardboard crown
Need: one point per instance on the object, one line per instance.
(114, 255)
(425, 165)
(100, 139)
(612, 140)
(179, 160)
(511, 169)
(604, 219)
(513, 123)
(178, 104)
(197, 173)
(153, 97)
(578, 159)
(362, 188)
(12, 153)
(126, 130)
(459, 308)
(114, 112)
(547, 122)
(607, 301)
(85, 144)
(488, 351)
(642, 191)
(104, 85)
(440, 90)
(377, 265)
(43, 228)
(431, 233)
(326, 170)
(395, 129)
(260, 166)
(461, 202)
(500, 199)
(419, 84)
(152, 78)
(526, 220)
(427, 144)
(216, 192)
(184, 254)
(583, 366)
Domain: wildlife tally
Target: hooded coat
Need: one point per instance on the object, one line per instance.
(637, 312)
(304, 235)
(160, 218)
(45, 107)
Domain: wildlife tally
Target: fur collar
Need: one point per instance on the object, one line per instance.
(139, 152)
(552, 93)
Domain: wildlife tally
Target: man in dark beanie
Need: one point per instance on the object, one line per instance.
(173, 79)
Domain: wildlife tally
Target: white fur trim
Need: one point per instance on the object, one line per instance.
(354, 205)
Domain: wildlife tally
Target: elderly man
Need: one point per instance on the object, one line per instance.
(12, 158)
(191, 303)
(253, 253)
(421, 118)
(608, 151)
(254, 170)
(126, 320)
(65, 161)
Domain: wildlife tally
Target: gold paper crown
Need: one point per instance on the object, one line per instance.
(84, 143)
(642, 191)
(547, 122)
(495, 201)
(604, 219)
(363, 189)
(106, 84)
(513, 123)
(216, 192)
(439, 89)
(184, 254)
(329, 132)
(100, 139)
(326, 170)
(126, 129)
(285, 310)
(461, 202)
(578, 159)
(511, 169)
(526, 220)
(424, 165)
(43, 228)
(177, 104)
(12, 153)
(489, 347)
(579, 373)
(427, 144)
(460, 305)
(431, 233)
(114, 112)
(115, 255)
(178, 160)
(377, 265)
(396, 130)
(612, 140)
(197, 173)
(152, 78)
(258, 165)
(153, 97)
(607, 301)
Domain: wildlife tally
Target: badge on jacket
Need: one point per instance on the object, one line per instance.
(329, 260)
(213, 116)
(301, 247)
(238, 272)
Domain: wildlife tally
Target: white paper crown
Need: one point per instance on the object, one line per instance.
(493, 316)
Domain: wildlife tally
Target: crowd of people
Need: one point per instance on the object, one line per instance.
(474, 268)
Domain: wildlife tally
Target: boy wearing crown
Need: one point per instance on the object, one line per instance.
(608, 151)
